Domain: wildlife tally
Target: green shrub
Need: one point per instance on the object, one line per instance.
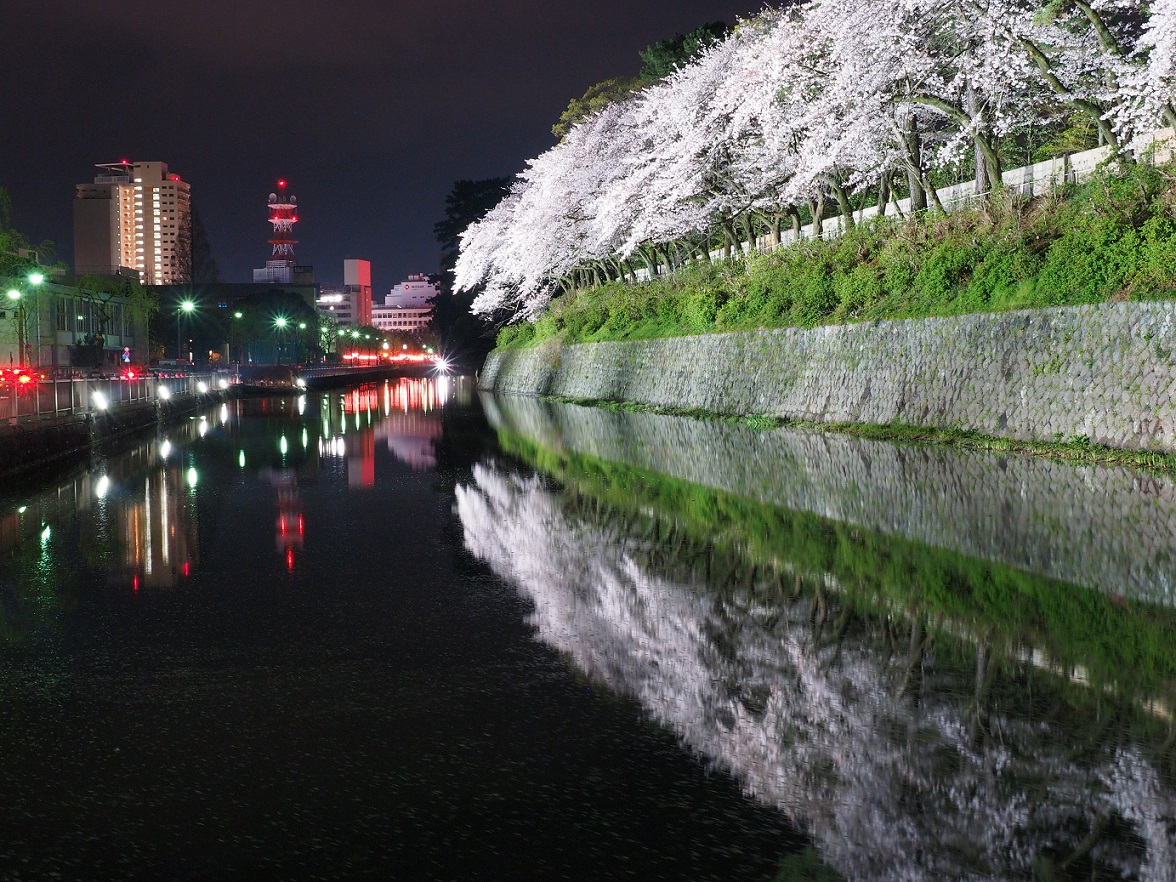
(515, 336)
(856, 290)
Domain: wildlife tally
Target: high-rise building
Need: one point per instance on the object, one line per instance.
(136, 216)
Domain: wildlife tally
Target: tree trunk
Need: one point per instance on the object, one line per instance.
(894, 196)
(817, 207)
(842, 202)
(749, 229)
(933, 194)
(668, 257)
(883, 194)
(912, 143)
(730, 240)
(982, 184)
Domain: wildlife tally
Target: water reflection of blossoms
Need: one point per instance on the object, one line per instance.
(906, 757)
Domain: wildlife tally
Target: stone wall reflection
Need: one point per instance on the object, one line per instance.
(1111, 529)
(901, 763)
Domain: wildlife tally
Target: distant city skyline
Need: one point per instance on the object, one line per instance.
(370, 110)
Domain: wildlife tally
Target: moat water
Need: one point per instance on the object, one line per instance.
(409, 631)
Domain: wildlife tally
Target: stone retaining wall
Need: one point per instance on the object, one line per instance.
(33, 446)
(1106, 528)
(1105, 372)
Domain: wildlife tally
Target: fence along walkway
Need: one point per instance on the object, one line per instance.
(48, 398)
(1031, 180)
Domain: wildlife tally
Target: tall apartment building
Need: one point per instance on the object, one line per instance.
(135, 216)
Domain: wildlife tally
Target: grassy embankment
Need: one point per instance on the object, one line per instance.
(1112, 238)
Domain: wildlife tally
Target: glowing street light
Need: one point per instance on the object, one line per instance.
(185, 307)
(280, 323)
(18, 298)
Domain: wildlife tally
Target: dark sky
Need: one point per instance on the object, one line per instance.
(370, 109)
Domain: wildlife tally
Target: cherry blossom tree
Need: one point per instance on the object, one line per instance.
(813, 102)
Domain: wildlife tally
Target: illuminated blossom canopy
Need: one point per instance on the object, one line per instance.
(819, 100)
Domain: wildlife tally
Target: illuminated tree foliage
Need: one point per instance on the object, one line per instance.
(811, 109)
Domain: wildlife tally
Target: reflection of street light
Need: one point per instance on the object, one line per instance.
(185, 308)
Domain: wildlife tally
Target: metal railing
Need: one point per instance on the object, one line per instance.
(49, 397)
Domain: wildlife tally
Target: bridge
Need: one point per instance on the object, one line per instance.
(330, 376)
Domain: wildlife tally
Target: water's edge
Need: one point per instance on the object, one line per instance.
(1102, 373)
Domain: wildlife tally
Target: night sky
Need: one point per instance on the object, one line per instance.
(370, 109)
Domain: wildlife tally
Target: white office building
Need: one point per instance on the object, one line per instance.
(408, 307)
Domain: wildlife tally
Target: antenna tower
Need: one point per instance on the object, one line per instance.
(283, 211)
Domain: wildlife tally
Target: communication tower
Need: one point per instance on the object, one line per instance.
(283, 214)
(283, 211)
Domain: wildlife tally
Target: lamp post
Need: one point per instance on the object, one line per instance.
(14, 296)
(185, 308)
(35, 280)
(23, 344)
(280, 323)
(235, 335)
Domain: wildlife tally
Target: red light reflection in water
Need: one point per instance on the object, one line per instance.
(290, 560)
(187, 569)
(135, 583)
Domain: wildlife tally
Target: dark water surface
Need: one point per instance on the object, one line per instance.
(407, 632)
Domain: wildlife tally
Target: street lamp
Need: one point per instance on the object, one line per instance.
(185, 308)
(280, 323)
(235, 335)
(23, 344)
(14, 296)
